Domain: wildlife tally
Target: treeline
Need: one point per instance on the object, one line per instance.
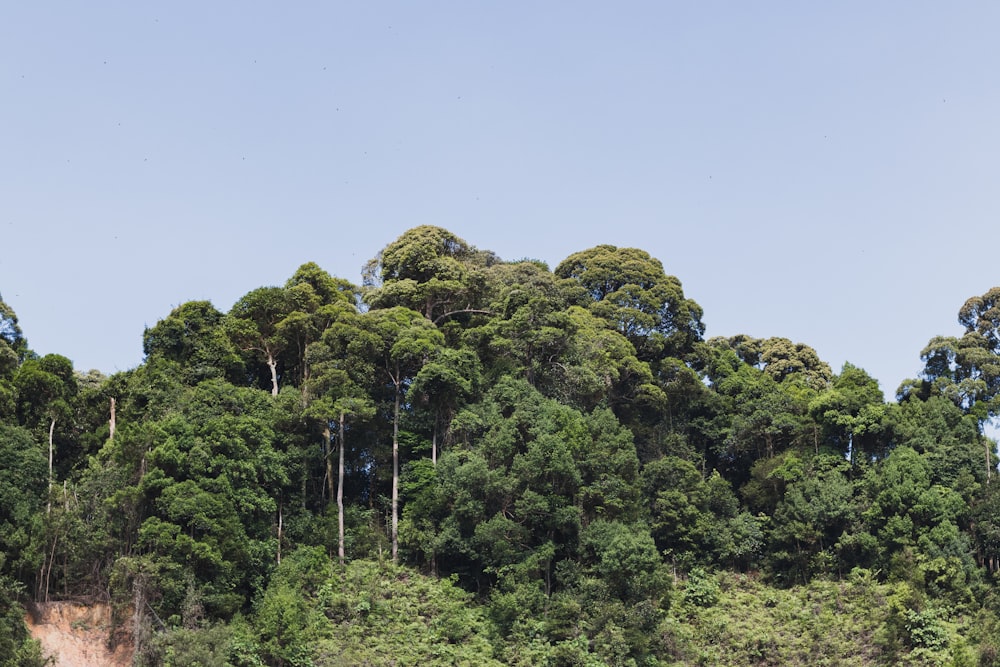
(467, 460)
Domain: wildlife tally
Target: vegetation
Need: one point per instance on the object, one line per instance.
(468, 461)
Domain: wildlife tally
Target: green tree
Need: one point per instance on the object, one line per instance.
(967, 369)
(193, 337)
(22, 487)
(815, 510)
(430, 270)
(46, 388)
(336, 396)
(318, 299)
(201, 480)
(401, 342)
(781, 359)
(630, 289)
(13, 350)
(444, 383)
(851, 413)
(254, 325)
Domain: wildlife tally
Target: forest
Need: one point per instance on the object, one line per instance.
(466, 460)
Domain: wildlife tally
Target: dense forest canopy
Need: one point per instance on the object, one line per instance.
(466, 460)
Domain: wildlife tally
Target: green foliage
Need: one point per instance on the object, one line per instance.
(193, 337)
(857, 621)
(13, 346)
(630, 289)
(583, 478)
(16, 649)
(368, 613)
(22, 488)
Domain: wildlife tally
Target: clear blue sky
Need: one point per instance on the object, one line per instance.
(826, 172)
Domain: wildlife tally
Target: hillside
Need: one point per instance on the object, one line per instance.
(466, 460)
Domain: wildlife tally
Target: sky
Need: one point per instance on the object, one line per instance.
(824, 172)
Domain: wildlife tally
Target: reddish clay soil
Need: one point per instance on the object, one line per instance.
(77, 635)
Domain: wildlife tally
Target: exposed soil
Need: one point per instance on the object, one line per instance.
(77, 635)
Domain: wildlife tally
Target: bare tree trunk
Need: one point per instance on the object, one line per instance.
(111, 422)
(48, 506)
(329, 461)
(340, 494)
(48, 568)
(395, 477)
(434, 442)
(988, 471)
(305, 477)
(280, 526)
(272, 363)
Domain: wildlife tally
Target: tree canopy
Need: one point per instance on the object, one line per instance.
(466, 460)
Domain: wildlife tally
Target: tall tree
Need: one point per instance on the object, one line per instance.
(403, 341)
(13, 350)
(851, 413)
(629, 288)
(781, 359)
(430, 270)
(46, 388)
(192, 335)
(254, 324)
(967, 369)
(448, 379)
(337, 397)
(318, 299)
(13, 346)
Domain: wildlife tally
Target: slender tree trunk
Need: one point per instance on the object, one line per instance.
(434, 442)
(272, 363)
(111, 421)
(340, 494)
(989, 472)
(48, 506)
(48, 569)
(280, 526)
(329, 461)
(395, 476)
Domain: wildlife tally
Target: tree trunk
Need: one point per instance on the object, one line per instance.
(329, 461)
(272, 363)
(48, 507)
(340, 494)
(395, 476)
(988, 471)
(111, 421)
(434, 442)
(280, 522)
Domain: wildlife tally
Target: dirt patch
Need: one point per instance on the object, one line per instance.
(77, 635)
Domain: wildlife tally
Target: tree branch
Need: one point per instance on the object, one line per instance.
(463, 310)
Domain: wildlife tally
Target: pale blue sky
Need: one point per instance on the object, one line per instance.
(825, 172)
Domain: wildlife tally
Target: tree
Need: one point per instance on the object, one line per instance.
(763, 419)
(200, 486)
(448, 379)
(22, 486)
(254, 324)
(13, 346)
(193, 337)
(402, 341)
(781, 359)
(318, 298)
(967, 369)
(815, 510)
(851, 413)
(46, 388)
(430, 270)
(336, 396)
(630, 289)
